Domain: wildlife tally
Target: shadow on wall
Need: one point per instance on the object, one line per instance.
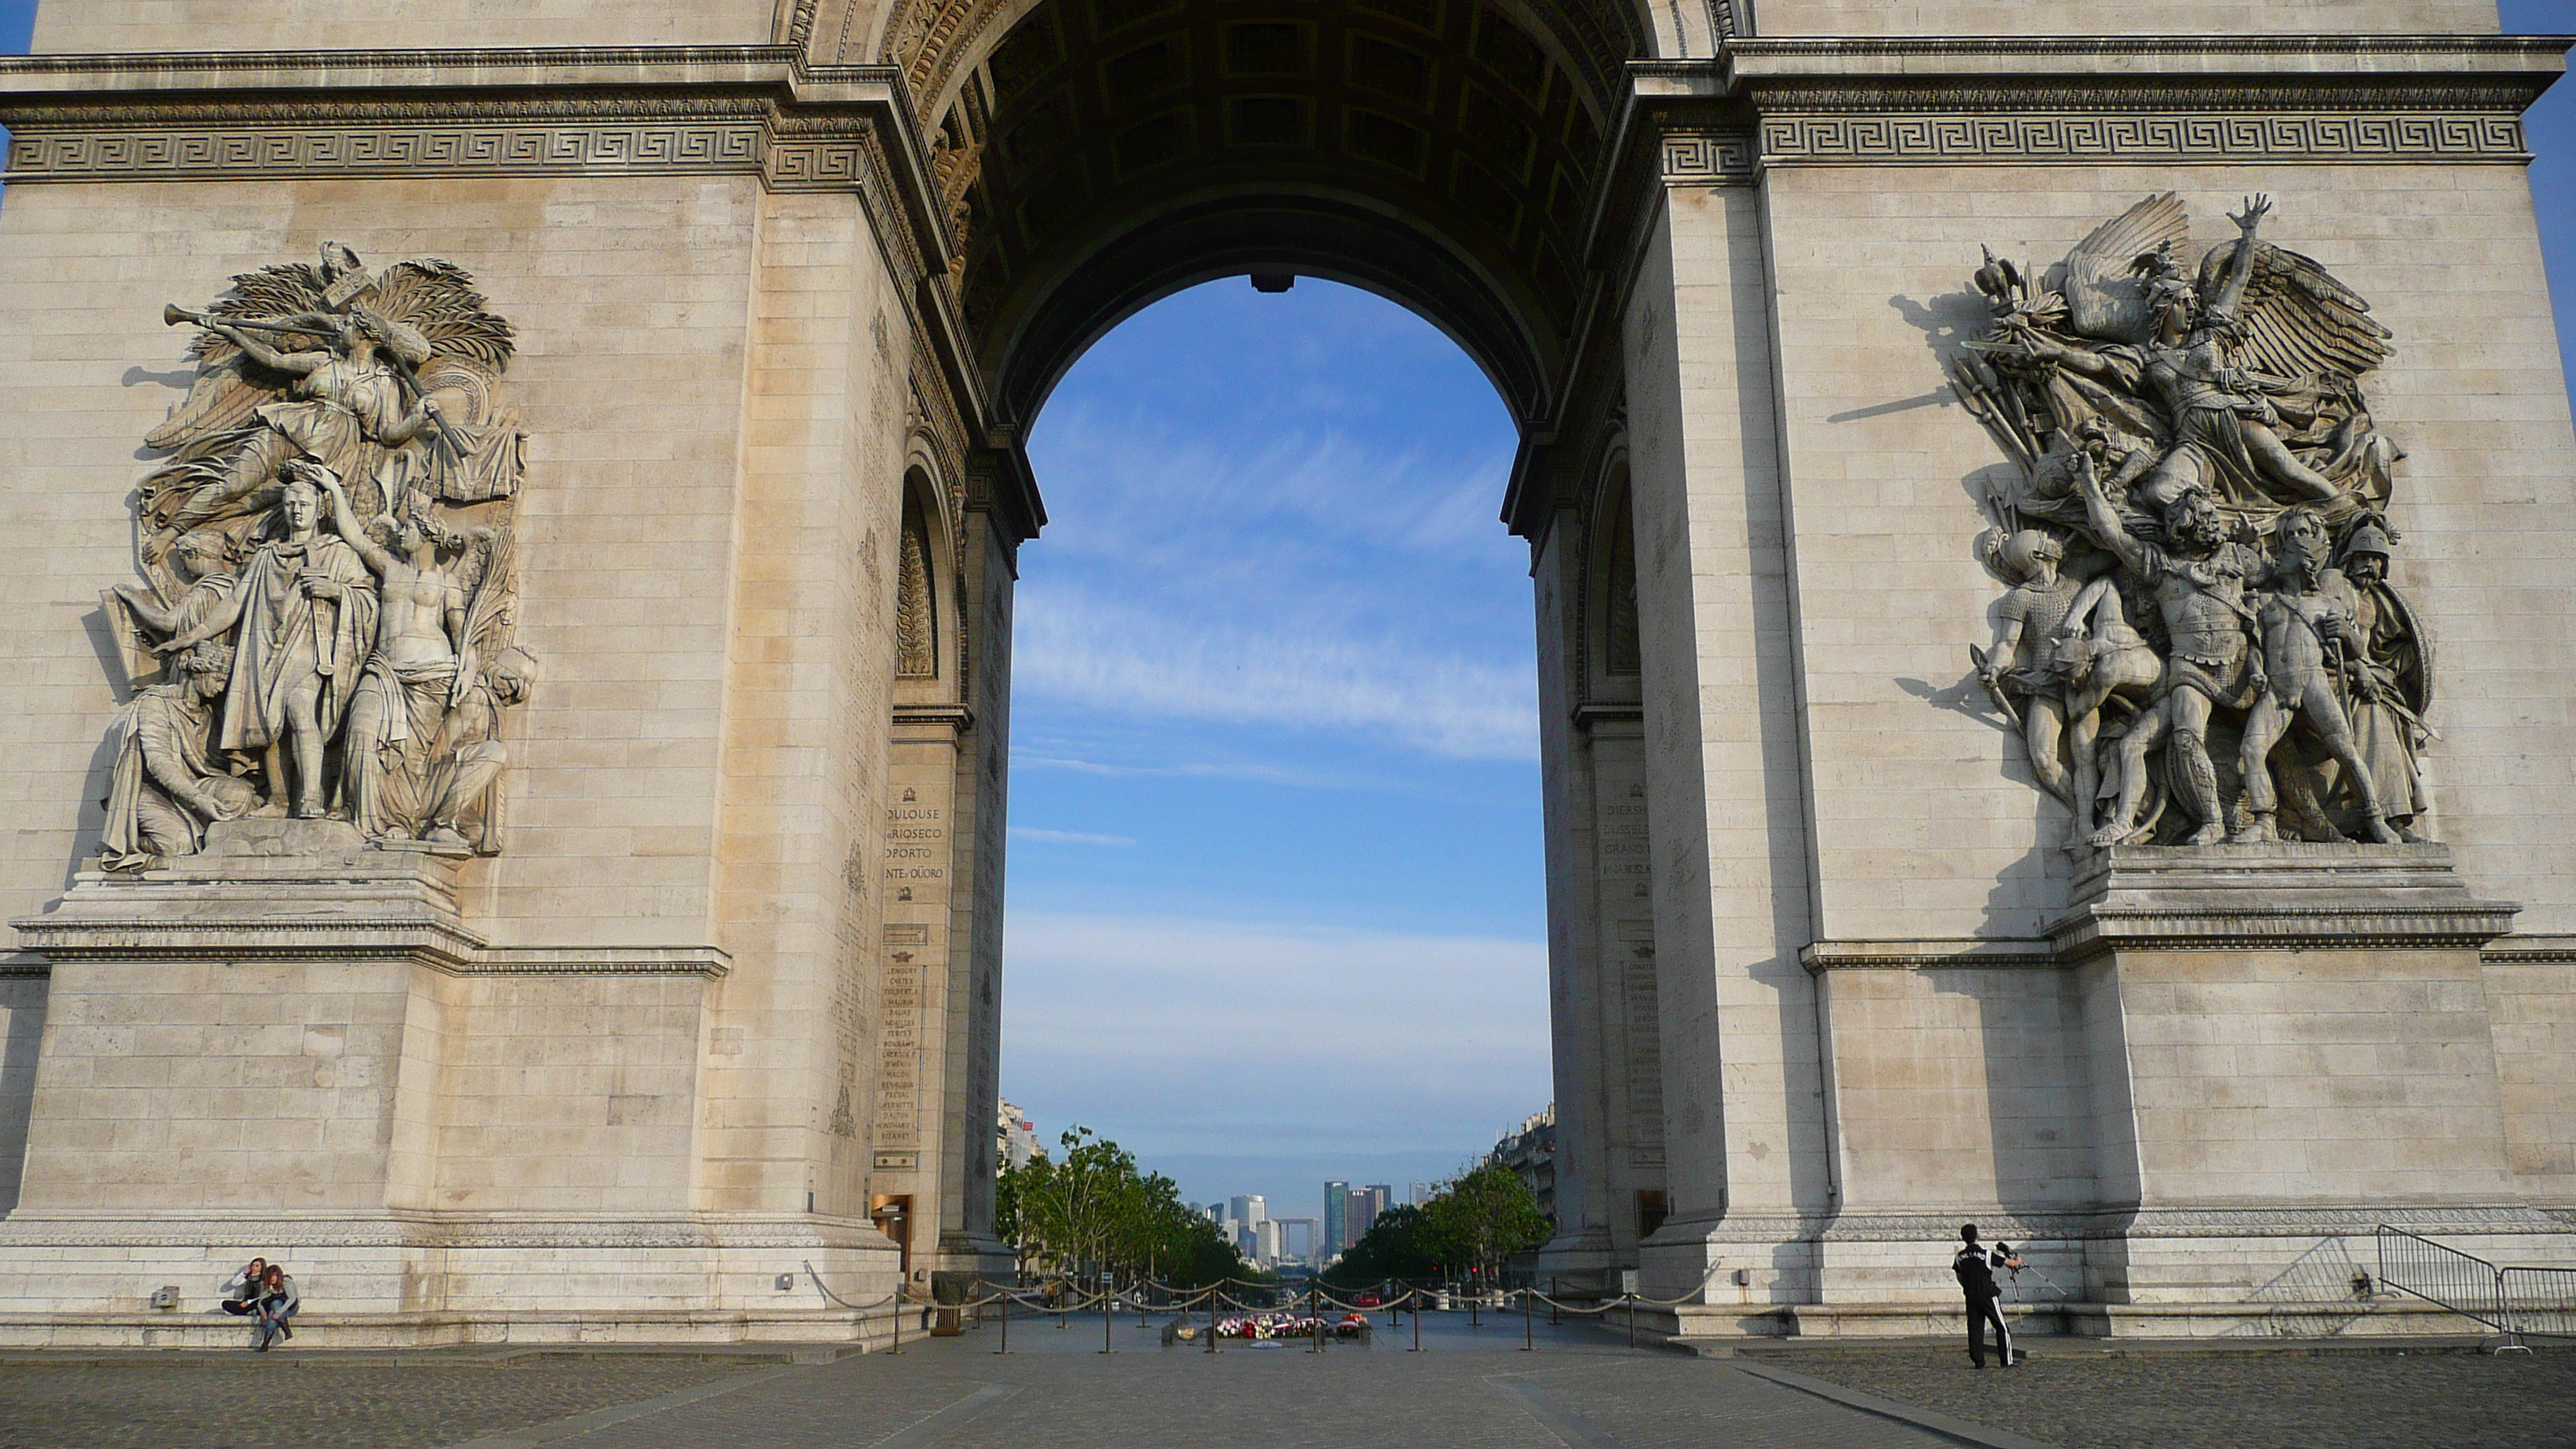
(2311, 1294)
(2039, 1109)
(23, 999)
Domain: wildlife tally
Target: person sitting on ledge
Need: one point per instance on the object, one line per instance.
(241, 1290)
(277, 1303)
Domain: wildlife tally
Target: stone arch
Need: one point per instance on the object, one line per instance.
(1100, 154)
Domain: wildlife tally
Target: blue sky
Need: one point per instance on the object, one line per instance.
(1276, 907)
(1275, 899)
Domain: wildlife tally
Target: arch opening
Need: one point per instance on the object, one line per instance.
(1101, 154)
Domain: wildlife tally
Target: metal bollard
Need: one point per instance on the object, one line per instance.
(1006, 1323)
(1529, 1324)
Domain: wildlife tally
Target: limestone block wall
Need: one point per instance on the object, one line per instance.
(712, 382)
(1774, 19)
(2533, 1007)
(571, 1094)
(185, 25)
(1926, 821)
(268, 1086)
(1956, 1089)
(2330, 1076)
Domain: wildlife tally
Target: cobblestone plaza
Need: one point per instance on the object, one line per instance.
(1582, 1389)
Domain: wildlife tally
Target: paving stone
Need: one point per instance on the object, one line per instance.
(2226, 1400)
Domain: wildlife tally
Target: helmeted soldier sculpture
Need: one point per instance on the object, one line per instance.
(2224, 658)
(327, 568)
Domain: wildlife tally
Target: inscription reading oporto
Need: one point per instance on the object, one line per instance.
(915, 832)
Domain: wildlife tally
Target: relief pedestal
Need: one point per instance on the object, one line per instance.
(2289, 1045)
(289, 1045)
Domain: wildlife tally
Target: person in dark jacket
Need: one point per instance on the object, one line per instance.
(241, 1291)
(1974, 1265)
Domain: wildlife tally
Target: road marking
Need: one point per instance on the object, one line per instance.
(1958, 1431)
(938, 1426)
(598, 1419)
(1570, 1428)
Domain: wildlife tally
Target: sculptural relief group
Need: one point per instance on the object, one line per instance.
(329, 582)
(2201, 641)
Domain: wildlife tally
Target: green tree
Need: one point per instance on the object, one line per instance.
(1093, 1211)
(1483, 1217)
(1393, 1247)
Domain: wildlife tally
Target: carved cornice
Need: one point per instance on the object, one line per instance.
(2098, 930)
(759, 110)
(2528, 950)
(432, 1230)
(1997, 955)
(440, 945)
(1941, 1224)
(2091, 100)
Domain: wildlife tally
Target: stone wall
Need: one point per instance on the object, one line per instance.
(1927, 823)
(1777, 19)
(191, 25)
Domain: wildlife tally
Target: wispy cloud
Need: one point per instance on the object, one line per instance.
(1306, 673)
(1067, 837)
(1172, 1034)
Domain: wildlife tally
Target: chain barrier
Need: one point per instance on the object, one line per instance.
(1062, 1298)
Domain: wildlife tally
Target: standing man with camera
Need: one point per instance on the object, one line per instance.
(1975, 1265)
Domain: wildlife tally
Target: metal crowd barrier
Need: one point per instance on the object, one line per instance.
(2517, 1303)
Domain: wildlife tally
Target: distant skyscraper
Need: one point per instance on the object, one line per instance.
(1366, 1203)
(1421, 1194)
(1358, 1212)
(1337, 1208)
(1250, 1209)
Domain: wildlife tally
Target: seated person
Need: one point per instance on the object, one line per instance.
(241, 1290)
(278, 1301)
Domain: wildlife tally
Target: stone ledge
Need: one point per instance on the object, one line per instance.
(352, 1332)
(2285, 895)
(2001, 954)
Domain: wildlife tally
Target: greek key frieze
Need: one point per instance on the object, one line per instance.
(1903, 138)
(379, 150)
(1710, 158)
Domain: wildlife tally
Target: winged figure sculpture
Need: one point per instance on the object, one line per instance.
(2200, 641)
